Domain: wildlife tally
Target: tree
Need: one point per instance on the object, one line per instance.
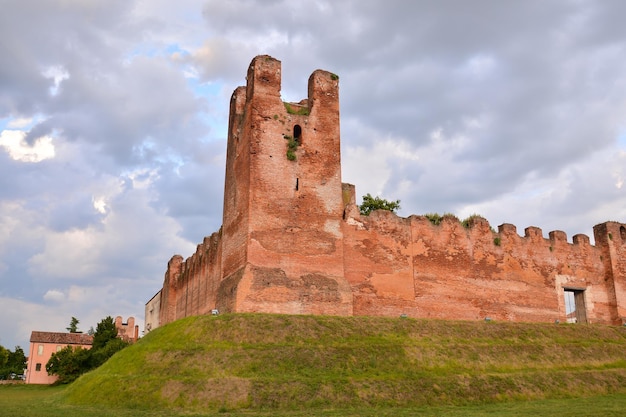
(17, 360)
(4, 359)
(105, 342)
(11, 362)
(73, 325)
(68, 363)
(376, 203)
(100, 356)
(105, 331)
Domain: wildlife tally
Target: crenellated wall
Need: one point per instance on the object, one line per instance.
(127, 331)
(190, 286)
(293, 240)
(411, 266)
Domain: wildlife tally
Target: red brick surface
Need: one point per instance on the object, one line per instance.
(293, 241)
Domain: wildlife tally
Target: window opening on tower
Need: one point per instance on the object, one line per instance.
(297, 134)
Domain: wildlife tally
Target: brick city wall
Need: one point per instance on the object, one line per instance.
(410, 266)
(293, 241)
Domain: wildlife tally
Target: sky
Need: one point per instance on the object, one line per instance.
(113, 120)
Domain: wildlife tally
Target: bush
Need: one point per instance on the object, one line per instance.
(376, 203)
(434, 218)
(69, 363)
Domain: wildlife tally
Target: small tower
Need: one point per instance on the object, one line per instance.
(282, 238)
(611, 239)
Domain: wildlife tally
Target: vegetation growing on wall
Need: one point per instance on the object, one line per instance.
(292, 147)
(376, 203)
(300, 111)
(436, 218)
(467, 223)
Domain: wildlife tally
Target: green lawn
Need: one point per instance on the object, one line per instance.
(43, 401)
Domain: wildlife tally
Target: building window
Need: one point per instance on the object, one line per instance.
(38, 367)
(622, 232)
(40, 350)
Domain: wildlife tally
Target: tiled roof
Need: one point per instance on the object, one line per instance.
(61, 338)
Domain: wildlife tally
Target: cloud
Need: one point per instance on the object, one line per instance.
(13, 141)
(54, 295)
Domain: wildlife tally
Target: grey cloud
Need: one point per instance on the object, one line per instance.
(193, 193)
(410, 69)
(37, 35)
(110, 97)
(145, 101)
(77, 212)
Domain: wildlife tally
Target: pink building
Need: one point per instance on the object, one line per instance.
(43, 345)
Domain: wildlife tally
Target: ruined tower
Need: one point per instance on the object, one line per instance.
(282, 236)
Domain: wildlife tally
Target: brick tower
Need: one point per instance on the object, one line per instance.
(611, 239)
(282, 237)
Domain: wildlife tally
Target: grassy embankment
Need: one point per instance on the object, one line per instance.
(45, 401)
(286, 364)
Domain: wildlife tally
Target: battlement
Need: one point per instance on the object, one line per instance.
(127, 331)
(264, 77)
(506, 231)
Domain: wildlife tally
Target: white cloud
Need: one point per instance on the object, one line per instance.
(58, 74)
(99, 203)
(20, 123)
(14, 143)
(54, 295)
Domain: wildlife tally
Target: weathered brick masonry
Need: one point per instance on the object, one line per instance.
(293, 241)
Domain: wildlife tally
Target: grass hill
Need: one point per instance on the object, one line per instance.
(261, 361)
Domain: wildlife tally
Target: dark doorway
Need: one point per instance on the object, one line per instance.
(575, 306)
